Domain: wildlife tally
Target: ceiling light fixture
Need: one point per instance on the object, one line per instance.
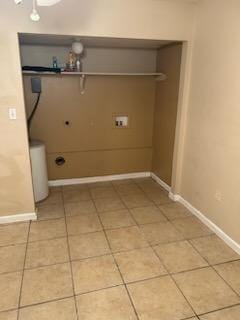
(44, 3)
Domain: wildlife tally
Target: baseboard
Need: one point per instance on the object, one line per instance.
(161, 182)
(64, 182)
(228, 240)
(18, 218)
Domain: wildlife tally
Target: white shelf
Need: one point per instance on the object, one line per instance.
(159, 75)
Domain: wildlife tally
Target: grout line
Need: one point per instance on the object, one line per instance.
(220, 309)
(130, 299)
(24, 262)
(69, 255)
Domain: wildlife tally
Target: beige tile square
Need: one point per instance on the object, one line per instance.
(205, 290)
(191, 227)
(53, 198)
(159, 196)
(88, 245)
(116, 219)
(226, 314)
(109, 204)
(55, 189)
(12, 258)
(122, 182)
(136, 200)
(95, 273)
(126, 189)
(161, 232)
(214, 250)
(79, 208)
(175, 210)
(76, 195)
(49, 229)
(83, 224)
(46, 283)
(103, 192)
(81, 186)
(179, 256)
(11, 315)
(10, 290)
(52, 211)
(14, 233)
(125, 239)
(107, 304)
(139, 264)
(99, 184)
(159, 298)
(46, 252)
(145, 215)
(231, 274)
(57, 310)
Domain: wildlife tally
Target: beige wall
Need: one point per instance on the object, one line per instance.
(94, 59)
(211, 173)
(91, 144)
(149, 19)
(166, 105)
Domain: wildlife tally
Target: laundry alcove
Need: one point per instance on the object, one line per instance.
(137, 80)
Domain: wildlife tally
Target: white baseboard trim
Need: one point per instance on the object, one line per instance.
(161, 182)
(65, 182)
(18, 218)
(219, 232)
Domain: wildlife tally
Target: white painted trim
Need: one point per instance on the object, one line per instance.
(65, 182)
(229, 241)
(18, 218)
(161, 182)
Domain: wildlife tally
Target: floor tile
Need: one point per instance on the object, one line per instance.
(79, 208)
(175, 211)
(205, 290)
(53, 198)
(46, 283)
(159, 298)
(136, 200)
(76, 195)
(46, 252)
(57, 310)
(11, 315)
(83, 224)
(51, 211)
(122, 182)
(158, 196)
(161, 232)
(116, 219)
(95, 273)
(139, 264)
(226, 314)
(191, 227)
(10, 290)
(13, 233)
(12, 258)
(214, 250)
(103, 192)
(109, 204)
(81, 186)
(55, 189)
(88, 245)
(179, 256)
(108, 304)
(50, 229)
(126, 189)
(99, 184)
(145, 215)
(231, 274)
(126, 239)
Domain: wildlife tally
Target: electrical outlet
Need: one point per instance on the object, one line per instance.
(12, 113)
(218, 195)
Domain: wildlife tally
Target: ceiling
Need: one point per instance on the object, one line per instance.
(63, 40)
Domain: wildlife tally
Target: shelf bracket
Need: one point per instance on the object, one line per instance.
(82, 83)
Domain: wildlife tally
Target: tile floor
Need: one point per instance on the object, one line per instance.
(116, 250)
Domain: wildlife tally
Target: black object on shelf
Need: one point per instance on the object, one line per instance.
(41, 69)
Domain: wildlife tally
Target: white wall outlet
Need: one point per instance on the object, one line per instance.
(12, 113)
(218, 195)
(121, 121)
